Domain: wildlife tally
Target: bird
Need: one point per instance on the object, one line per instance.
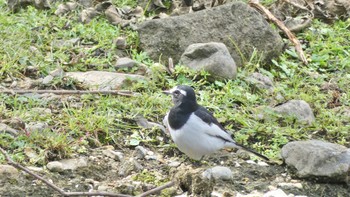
(195, 130)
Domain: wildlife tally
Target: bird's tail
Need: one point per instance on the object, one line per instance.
(240, 146)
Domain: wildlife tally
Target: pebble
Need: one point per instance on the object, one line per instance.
(36, 126)
(291, 185)
(218, 173)
(8, 172)
(141, 152)
(67, 164)
(174, 164)
(275, 193)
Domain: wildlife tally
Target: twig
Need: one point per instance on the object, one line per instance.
(64, 193)
(290, 35)
(157, 189)
(171, 69)
(62, 92)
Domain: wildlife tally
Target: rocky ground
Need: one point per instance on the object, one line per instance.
(132, 171)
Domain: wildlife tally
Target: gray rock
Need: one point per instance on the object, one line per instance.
(316, 159)
(174, 164)
(140, 152)
(7, 129)
(218, 173)
(67, 164)
(125, 62)
(103, 80)
(212, 57)
(120, 43)
(275, 193)
(36, 126)
(298, 108)
(129, 166)
(8, 172)
(260, 81)
(47, 79)
(242, 29)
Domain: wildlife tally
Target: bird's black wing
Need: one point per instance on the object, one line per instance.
(207, 117)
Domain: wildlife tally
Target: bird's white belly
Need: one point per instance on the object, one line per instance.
(196, 138)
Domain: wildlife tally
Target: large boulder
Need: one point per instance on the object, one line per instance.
(318, 160)
(242, 29)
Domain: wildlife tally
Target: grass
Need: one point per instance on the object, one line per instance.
(78, 123)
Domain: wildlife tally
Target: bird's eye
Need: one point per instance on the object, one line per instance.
(176, 92)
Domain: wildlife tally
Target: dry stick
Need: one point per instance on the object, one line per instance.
(61, 92)
(290, 35)
(62, 192)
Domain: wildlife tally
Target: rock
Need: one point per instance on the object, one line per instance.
(7, 129)
(47, 79)
(16, 5)
(120, 43)
(212, 57)
(174, 164)
(129, 166)
(218, 173)
(65, 8)
(298, 108)
(242, 29)
(290, 185)
(8, 172)
(67, 164)
(58, 72)
(192, 181)
(118, 156)
(260, 81)
(36, 126)
(113, 16)
(141, 152)
(275, 193)
(15, 123)
(125, 62)
(88, 14)
(314, 159)
(102, 80)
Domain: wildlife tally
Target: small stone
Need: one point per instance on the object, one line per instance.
(8, 172)
(260, 81)
(67, 164)
(212, 57)
(57, 72)
(151, 157)
(261, 163)
(47, 79)
(297, 108)
(141, 152)
(290, 185)
(36, 127)
(7, 129)
(275, 193)
(120, 43)
(125, 62)
(174, 164)
(129, 166)
(88, 14)
(218, 173)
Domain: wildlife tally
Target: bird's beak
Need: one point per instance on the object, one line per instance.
(166, 92)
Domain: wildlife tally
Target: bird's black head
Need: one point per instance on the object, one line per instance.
(182, 95)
